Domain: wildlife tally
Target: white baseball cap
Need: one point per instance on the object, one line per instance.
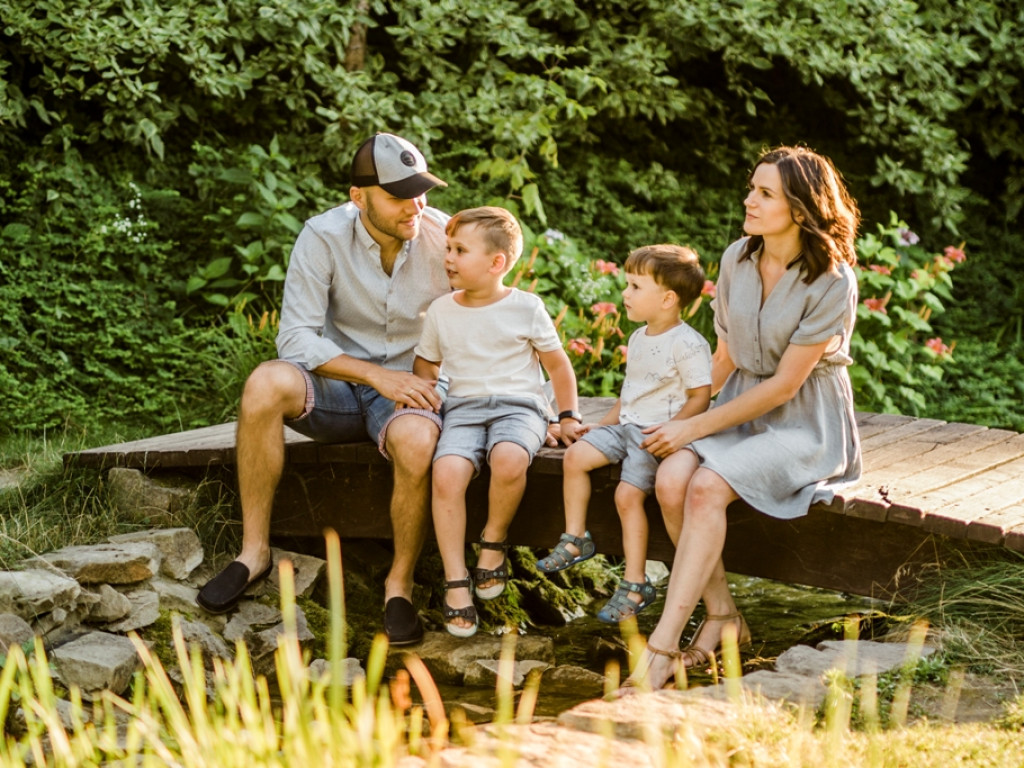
(395, 165)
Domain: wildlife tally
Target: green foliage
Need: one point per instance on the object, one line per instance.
(256, 227)
(621, 124)
(901, 286)
(89, 322)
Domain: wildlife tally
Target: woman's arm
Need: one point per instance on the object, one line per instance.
(721, 366)
(795, 366)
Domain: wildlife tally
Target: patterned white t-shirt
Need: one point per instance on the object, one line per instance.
(659, 370)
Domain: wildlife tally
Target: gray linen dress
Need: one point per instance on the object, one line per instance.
(804, 450)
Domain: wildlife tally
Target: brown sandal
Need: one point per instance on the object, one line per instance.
(698, 657)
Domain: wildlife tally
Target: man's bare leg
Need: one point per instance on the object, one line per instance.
(410, 442)
(273, 392)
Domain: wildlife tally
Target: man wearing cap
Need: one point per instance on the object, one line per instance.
(360, 278)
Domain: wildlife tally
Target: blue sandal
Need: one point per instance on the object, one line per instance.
(561, 558)
(620, 607)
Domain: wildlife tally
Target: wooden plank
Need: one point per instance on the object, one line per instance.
(1014, 538)
(992, 527)
(900, 430)
(877, 559)
(927, 445)
(881, 475)
(994, 490)
(950, 508)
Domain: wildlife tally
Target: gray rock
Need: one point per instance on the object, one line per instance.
(199, 636)
(32, 592)
(145, 609)
(652, 716)
(96, 662)
(852, 657)
(307, 571)
(138, 498)
(575, 679)
(448, 657)
(175, 596)
(351, 670)
(127, 563)
(263, 644)
(806, 690)
(14, 630)
(111, 605)
(180, 549)
(547, 744)
(485, 672)
(249, 618)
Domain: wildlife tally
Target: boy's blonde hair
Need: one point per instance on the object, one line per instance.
(673, 267)
(499, 228)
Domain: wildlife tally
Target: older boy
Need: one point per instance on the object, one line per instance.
(493, 341)
(668, 376)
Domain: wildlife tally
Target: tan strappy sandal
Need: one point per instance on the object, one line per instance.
(630, 686)
(697, 657)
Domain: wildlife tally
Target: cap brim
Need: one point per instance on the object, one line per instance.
(414, 186)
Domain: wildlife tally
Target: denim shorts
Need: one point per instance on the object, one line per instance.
(474, 425)
(621, 442)
(341, 412)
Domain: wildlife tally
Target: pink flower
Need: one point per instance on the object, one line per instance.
(709, 289)
(955, 254)
(936, 346)
(603, 308)
(944, 263)
(623, 350)
(879, 269)
(606, 267)
(580, 346)
(876, 305)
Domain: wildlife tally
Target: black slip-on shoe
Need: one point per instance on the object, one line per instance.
(222, 593)
(401, 622)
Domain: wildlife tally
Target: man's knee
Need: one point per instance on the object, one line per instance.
(410, 443)
(274, 386)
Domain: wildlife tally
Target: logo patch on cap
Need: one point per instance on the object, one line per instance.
(407, 158)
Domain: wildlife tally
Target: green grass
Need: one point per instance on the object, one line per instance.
(230, 717)
(50, 507)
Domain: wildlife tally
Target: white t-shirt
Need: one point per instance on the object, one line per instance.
(659, 370)
(492, 350)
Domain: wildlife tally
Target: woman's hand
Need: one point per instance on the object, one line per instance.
(665, 439)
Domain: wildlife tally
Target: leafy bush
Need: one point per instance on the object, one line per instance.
(620, 124)
(902, 285)
(90, 329)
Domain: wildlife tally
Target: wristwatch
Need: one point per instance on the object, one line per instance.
(574, 415)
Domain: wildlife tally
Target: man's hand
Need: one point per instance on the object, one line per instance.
(408, 390)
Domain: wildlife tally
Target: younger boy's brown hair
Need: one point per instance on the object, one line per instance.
(673, 267)
(500, 230)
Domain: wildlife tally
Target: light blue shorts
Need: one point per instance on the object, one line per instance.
(340, 412)
(474, 425)
(621, 442)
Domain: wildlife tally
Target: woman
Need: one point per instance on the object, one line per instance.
(781, 435)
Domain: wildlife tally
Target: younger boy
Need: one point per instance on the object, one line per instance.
(668, 376)
(493, 341)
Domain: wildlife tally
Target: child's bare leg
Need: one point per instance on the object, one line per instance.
(629, 501)
(451, 476)
(508, 463)
(580, 460)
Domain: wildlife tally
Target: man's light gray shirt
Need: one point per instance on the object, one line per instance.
(339, 300)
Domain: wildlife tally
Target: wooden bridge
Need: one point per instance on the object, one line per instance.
(930, 489)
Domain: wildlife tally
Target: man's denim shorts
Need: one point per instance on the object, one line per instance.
(474, 425)
(621, 442)
(340, 412)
